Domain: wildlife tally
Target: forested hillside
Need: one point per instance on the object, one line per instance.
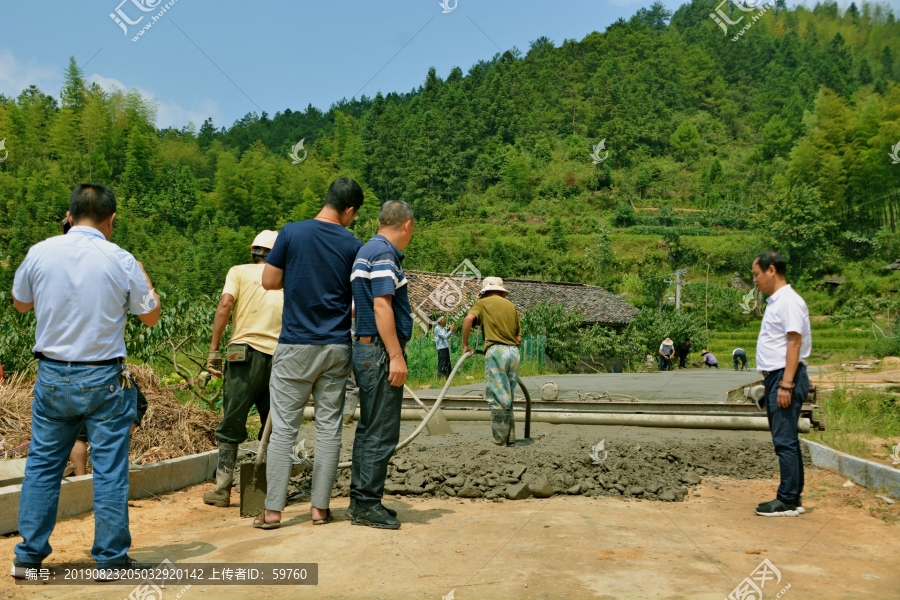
(717, 149)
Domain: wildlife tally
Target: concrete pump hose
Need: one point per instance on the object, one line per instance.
(431, 413)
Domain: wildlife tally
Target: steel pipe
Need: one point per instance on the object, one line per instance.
(724, 422)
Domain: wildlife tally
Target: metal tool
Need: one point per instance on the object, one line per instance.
(436, 425)
(253, 477)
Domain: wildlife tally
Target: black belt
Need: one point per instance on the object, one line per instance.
(93, 363)
(766, 374)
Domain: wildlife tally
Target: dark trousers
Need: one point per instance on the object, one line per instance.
(443, 362)
(665, 363)
(739, 357)
(682, 359)
(783, 425)
(246, 384)
(378, 430)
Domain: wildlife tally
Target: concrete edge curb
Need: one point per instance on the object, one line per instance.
(867, 473)
(77, 493)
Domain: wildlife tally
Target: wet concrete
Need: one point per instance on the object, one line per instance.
(688, 384)
(657, 464)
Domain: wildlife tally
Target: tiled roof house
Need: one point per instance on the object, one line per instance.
(596, 304)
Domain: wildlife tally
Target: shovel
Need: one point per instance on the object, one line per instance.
(253, 477)
(438, 424)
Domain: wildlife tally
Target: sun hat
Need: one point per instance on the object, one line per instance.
(668, 342)
(493, 284)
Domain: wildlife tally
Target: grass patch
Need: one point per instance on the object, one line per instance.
(832, 342)
(421, 361)
(861, 422)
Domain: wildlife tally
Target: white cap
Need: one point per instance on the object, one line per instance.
(265, 239)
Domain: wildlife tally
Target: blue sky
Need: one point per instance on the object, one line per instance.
(224, 59)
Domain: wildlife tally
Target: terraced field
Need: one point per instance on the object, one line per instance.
(831, 341)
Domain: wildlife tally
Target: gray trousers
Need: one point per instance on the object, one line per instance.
(297, 372)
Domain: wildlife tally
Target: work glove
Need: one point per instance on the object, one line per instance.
(214, 363)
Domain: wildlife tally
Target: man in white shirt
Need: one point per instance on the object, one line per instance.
(785, 340)
(666, 354)
(81, 287)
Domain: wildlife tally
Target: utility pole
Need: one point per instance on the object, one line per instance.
(679, 281)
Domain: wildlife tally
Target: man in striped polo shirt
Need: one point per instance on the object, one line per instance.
(383, 326)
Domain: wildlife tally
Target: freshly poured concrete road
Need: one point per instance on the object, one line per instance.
(710, 385)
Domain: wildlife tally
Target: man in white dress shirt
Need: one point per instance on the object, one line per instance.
(785, 341)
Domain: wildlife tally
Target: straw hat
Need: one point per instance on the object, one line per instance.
(493, 284)
(704, 352)
(668, 342)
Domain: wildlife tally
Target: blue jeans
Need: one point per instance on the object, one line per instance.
(783, 425)
(739, 357)
(67, 397)
(378, 430)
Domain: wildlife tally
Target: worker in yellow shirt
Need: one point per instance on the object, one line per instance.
(255, 327)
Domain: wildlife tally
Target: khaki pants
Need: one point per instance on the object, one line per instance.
(299, 371)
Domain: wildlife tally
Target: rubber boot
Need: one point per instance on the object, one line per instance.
(511, 438)
(499, 426)
(221, 496)
(351, 401)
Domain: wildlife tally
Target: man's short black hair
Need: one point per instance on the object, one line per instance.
(92, 201)
(344, 193)
(772, 259)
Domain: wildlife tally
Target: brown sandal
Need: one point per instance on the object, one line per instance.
(263, 524)
(328, 518)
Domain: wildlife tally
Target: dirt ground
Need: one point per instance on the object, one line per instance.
(562, 547)
(832, 376)
(606, 545)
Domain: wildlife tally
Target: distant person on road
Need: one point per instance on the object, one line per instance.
(785, 341)
(383, 327)
(255, 314)
(683, 351)
(442, 343)
(709, 360)
(502, 335)
(739, 356)
(311, 261)
(666, 354)
(82, 288)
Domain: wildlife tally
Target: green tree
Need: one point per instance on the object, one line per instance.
(686, 141)
(557, 235)
(798, 221)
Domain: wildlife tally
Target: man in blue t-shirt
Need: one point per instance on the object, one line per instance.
(311, 260)
(383, 326)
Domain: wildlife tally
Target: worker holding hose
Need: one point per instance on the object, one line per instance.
(502, 335)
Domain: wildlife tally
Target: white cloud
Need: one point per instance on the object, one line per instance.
(16, 76)
(168, 114)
